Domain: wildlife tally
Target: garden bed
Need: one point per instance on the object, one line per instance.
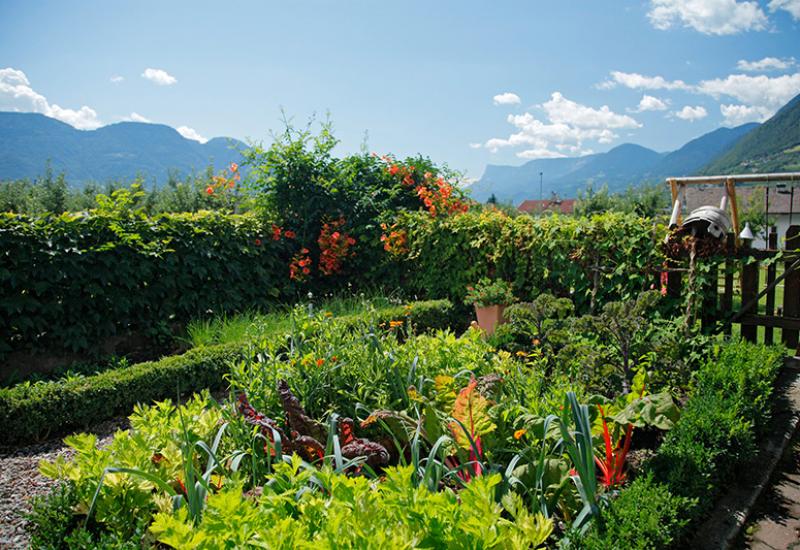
(351, 427)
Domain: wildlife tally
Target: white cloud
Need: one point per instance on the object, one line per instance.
(159, 76)
(561, 110)
(136, 117)
(718, 17)
(568, 126)
(116, 79)
(191, 133)
(761, 90)
(16, 94)
(791, 6)
(650, 103)
(766, 64)
(475, 145)
(506, 98)
(691, 113)
(735, 115)
(638, 81)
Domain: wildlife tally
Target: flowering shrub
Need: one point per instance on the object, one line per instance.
(489, 292)
(437, 195)
(334, 246)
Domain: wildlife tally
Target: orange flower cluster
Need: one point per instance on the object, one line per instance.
(299, 268)
(334, 245)
(434, 192)
(395, 242)
(226, 180)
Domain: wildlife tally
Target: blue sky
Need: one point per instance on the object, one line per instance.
(466, 83)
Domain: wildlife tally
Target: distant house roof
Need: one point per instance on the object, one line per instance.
(565, 206)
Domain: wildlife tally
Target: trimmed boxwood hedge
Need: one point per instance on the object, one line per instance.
(30, 412)
(716, 434)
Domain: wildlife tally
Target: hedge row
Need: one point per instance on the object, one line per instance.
(715, 436)
(555, 254)
(68, 281)
(29, 412)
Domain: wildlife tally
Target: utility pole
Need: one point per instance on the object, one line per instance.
(541, 174)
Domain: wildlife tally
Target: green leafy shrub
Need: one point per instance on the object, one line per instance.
(701, 452)
(645, 516)
(32, 411)
(68, 281)
(489, 292)
(52, 517)
(553, 254)
(745, 376)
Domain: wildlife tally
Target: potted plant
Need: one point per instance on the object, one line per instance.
(490, 298)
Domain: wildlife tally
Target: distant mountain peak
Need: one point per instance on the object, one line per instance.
(119, 151)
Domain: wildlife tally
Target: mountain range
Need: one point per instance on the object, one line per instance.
(122, 151)
(773, 146)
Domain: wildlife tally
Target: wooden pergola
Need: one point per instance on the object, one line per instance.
(729, 182)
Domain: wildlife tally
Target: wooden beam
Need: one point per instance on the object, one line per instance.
(737, 178)
(774, 321)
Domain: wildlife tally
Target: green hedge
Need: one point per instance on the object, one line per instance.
(68, 281)
(29, 412)
(716, 434)
(555, 254)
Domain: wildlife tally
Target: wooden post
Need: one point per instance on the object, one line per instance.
(731, 189)
(791, 288)
(674, 188)
(772, 244)
(709, 315)
(749, 292)
(727, 297)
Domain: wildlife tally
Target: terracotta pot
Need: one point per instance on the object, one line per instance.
(490, 317)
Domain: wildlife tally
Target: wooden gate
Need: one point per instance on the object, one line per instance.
(757, 292)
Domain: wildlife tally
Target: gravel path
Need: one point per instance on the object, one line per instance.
(20, 479)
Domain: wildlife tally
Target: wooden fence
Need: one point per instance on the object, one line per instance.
(748, 293)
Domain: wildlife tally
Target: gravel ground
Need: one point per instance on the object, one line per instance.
(20, 480)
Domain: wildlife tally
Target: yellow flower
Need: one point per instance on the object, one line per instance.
(328, 314)
(395, 324)
(521, 354)
(519, 433)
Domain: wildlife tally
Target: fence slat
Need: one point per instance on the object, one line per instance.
(727, 297)
(791, 288)
(772, 244)
(749, 292)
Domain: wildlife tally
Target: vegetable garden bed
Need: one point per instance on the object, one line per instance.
(357, 435)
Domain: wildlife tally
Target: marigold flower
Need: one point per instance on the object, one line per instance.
(320, 362)
(519, 433)
(209, 190)
(395, 324)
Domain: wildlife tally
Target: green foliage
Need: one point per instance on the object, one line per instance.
(351, 513)
(32, 411)
(649, 201)
(646, 516)
(300, 184)
(68, 281)
(489, 292)
(553, 254)
(51, 517)
(719, 425)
